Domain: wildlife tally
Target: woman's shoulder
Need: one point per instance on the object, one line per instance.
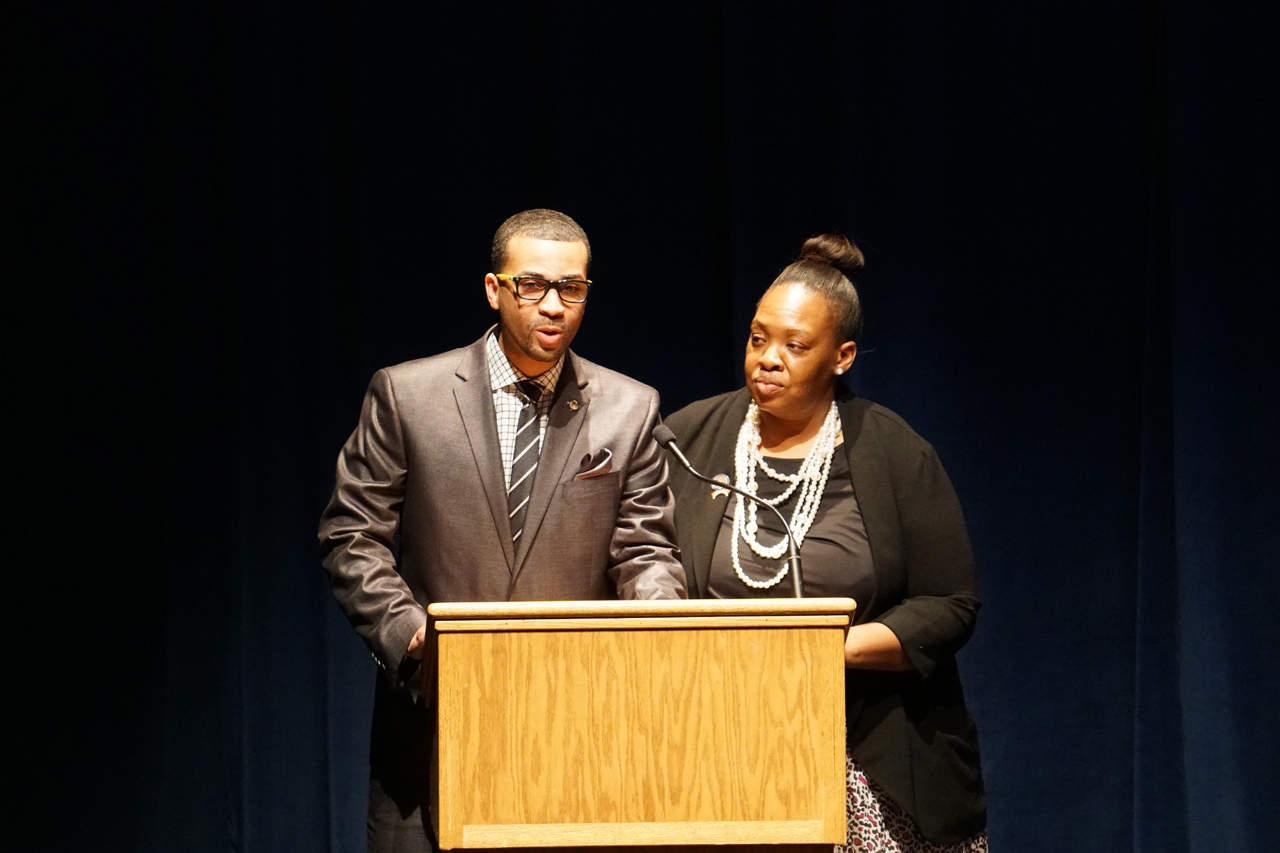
(697, 416)
(863, 419)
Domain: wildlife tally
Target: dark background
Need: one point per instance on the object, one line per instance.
(224, 218)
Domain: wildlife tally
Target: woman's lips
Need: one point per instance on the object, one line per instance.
(767, 387)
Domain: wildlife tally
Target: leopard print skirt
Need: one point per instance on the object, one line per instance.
(878, 825)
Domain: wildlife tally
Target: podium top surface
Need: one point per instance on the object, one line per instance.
(672, 609)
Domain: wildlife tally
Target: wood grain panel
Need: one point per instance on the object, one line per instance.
(651, 728)
(676, 848)
(610, 834)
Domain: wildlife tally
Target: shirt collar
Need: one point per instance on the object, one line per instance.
(504, 374)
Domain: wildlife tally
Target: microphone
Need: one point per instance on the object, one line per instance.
(665, 437)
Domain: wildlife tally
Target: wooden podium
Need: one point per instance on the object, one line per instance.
(641, 724)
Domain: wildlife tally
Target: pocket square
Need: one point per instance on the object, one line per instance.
(595, 464)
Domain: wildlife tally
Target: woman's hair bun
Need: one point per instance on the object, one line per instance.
(827, 265)
(835, 250)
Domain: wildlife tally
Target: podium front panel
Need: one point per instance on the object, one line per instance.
(592, 730)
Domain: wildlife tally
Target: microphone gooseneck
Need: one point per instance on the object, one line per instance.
(665, 437)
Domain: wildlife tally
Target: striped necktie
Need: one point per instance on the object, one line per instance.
(525, 461)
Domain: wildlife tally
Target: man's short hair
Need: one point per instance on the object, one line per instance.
(539, 224)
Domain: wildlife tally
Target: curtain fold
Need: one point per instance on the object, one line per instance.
(1071, 291)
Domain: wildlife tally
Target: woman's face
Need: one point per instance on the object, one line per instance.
(792, 354)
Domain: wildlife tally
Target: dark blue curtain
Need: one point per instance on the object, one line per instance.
(228, 216)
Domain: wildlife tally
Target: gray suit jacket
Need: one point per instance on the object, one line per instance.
(419, 510)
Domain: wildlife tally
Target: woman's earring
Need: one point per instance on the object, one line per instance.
(839, 370)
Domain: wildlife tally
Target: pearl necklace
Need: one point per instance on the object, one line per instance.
(811, 481)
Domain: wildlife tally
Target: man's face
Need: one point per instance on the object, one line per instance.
(534, 335)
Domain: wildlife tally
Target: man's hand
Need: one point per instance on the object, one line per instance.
(418, 645)
(424, 678)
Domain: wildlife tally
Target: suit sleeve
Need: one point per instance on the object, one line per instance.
(941, 606)
(643, 559)
(358, 529)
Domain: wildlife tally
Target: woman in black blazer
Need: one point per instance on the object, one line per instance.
(877, 520)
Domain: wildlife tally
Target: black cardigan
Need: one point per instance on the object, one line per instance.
(910, 731)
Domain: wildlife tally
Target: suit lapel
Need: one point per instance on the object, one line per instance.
(475, 406)
(564, 422)
(708, 512)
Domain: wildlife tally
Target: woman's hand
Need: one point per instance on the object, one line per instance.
(874, 646)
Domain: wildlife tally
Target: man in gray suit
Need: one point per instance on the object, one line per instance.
(511, 469)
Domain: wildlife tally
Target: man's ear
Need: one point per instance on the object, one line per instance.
(491, 290)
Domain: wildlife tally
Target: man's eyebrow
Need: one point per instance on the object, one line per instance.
(578, 276)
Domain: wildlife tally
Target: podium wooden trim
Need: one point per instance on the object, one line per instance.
(640, 723)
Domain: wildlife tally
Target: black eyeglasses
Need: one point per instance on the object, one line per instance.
(532, 288)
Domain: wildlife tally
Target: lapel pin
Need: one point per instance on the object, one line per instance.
(573, 405)
(716, 491)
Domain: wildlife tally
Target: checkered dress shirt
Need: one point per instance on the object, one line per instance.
(507, 400)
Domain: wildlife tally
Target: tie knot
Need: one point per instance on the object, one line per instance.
(530, 389)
